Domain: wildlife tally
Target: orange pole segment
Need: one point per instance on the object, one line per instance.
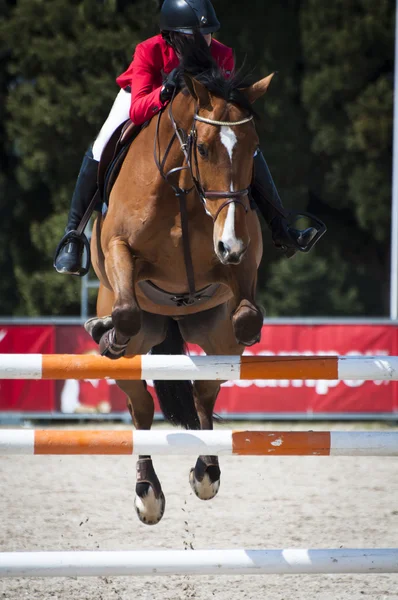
(283, 443)
(289, 367)
(64, 366)
(83, 442)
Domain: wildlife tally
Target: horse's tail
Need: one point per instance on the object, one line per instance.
(176, 397)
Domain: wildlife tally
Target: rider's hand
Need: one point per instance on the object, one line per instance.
(169, 86)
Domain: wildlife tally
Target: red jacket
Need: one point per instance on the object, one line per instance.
(153, 59)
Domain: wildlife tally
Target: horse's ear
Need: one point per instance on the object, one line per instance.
(198, 91)
(258, 89)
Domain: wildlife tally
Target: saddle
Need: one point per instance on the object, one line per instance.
(113, 156)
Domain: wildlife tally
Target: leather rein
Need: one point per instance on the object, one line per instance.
(188, 145)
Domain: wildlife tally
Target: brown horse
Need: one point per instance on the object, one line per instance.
(160, 288)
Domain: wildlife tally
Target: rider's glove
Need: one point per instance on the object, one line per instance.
(169, 85)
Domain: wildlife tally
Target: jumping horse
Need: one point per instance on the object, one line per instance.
(177, 255)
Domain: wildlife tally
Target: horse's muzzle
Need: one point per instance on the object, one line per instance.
(230, 256)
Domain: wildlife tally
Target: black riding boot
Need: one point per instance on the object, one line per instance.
(266, 197)
(68, 258)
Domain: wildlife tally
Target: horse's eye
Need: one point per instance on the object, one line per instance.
(202, 150)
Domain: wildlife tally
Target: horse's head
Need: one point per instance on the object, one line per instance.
(223, 142)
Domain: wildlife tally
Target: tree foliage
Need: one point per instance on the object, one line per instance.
(325, 130)
(60, 87)
(327, 135)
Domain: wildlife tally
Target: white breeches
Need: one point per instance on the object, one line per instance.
(119, 113)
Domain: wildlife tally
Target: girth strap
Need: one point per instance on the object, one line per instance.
(182, 199)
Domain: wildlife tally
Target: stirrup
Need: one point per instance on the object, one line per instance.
(70, 236)
(316, 224)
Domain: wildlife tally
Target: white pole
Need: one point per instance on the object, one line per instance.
(198, 562)
(394, 200)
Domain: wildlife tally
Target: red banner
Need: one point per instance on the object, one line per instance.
(236, 397)
(91, 395)
(20, 395)
(316, 396)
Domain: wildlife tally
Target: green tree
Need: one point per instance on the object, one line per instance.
(8, 289)
(321, 283)
(61, 85)
(325, 131)
(348, 95)
(267, 39)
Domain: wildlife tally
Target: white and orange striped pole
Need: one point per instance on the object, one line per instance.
(169, 367)
(218, 442)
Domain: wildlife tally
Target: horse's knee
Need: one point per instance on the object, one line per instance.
(247, 322)
(126, 319)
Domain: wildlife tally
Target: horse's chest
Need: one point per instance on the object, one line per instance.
(176, 233)
(168, 237)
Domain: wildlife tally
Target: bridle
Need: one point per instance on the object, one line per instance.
(188, 145)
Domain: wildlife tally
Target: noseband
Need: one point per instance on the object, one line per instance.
(189, 147)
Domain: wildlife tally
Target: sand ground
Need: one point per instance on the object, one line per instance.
(86, 503)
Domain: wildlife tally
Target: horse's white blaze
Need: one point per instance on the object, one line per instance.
(228, 139)
(228, 238)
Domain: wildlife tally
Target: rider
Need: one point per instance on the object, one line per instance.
(146, 87)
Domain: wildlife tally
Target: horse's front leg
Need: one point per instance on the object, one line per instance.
(247, 318)
(126, 314)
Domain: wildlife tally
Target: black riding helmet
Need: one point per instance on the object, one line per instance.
(188, 16)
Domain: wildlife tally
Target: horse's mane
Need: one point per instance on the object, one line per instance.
(197, 61)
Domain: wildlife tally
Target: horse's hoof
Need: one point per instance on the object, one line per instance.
(109, 347)
(247, 322)
(149, 507)
(205, 479)
(97, 326)
(149, 501)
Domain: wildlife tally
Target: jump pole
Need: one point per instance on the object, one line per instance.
(197, 562)
(169, 367)
(217, 442)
